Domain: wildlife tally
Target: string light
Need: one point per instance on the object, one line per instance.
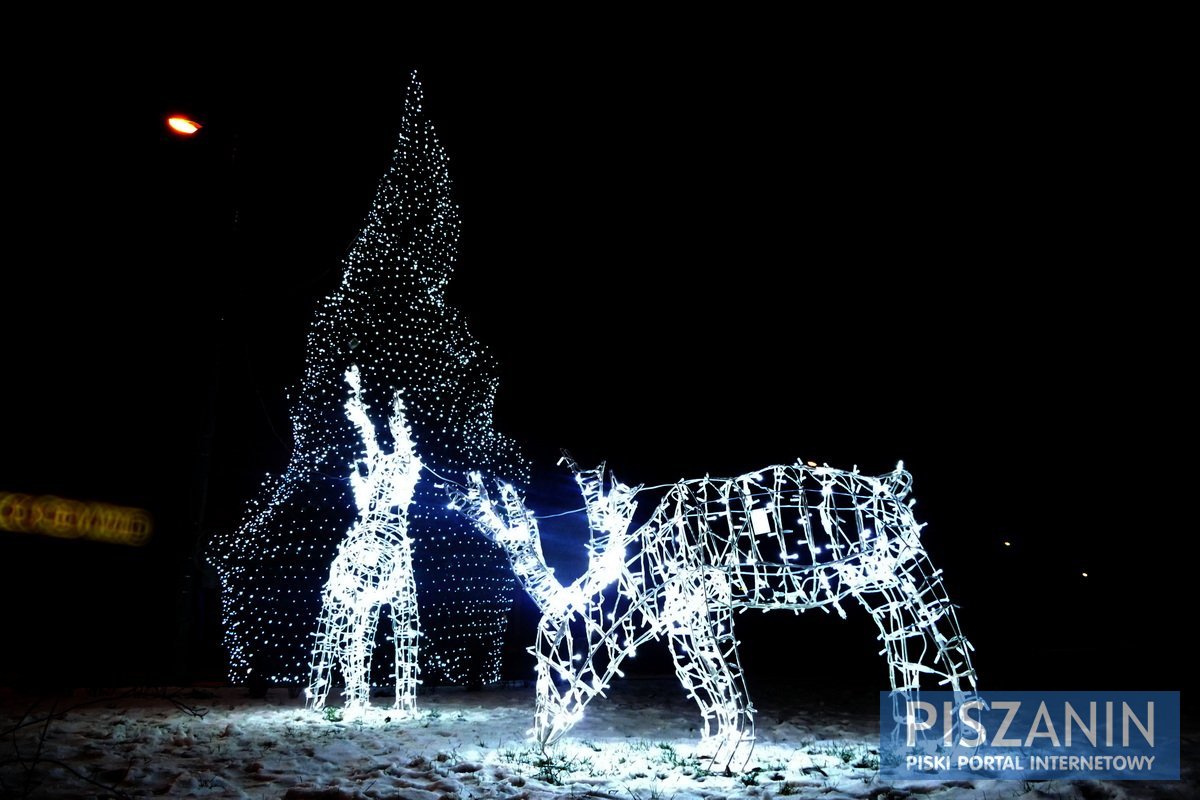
(793, 537)
(388, 316)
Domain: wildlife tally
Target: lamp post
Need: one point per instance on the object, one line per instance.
(195, 576)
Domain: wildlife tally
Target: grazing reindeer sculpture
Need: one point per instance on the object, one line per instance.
(372, 568)
(793, 537)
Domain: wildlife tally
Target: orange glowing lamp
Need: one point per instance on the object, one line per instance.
(183, 125)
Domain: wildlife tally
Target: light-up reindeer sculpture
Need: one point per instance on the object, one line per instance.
(788, 537)
(372, 568)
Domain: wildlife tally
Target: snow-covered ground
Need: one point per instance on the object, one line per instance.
(637, 744)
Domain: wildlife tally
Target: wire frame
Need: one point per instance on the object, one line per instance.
(373, 568)
(794, 537)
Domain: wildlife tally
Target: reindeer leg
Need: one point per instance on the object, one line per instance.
(700, 634)
(406, 632)
(920, 632)
(356, 658)
(325, 652)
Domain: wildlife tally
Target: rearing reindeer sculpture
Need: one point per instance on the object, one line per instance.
(793, 537)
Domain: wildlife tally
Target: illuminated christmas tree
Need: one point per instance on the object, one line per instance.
(389, 317)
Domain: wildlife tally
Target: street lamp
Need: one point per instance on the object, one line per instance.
(183, 125)
(194, 605)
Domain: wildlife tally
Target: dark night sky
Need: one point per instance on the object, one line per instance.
(683, 267)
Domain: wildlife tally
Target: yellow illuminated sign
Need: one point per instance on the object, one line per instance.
(74, 519)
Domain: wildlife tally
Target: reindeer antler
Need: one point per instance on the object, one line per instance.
(609, 516)
(473, 501)
(381, 480)
(570, 462)
(516, 530)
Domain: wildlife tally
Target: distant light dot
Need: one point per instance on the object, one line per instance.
(1008, 544)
